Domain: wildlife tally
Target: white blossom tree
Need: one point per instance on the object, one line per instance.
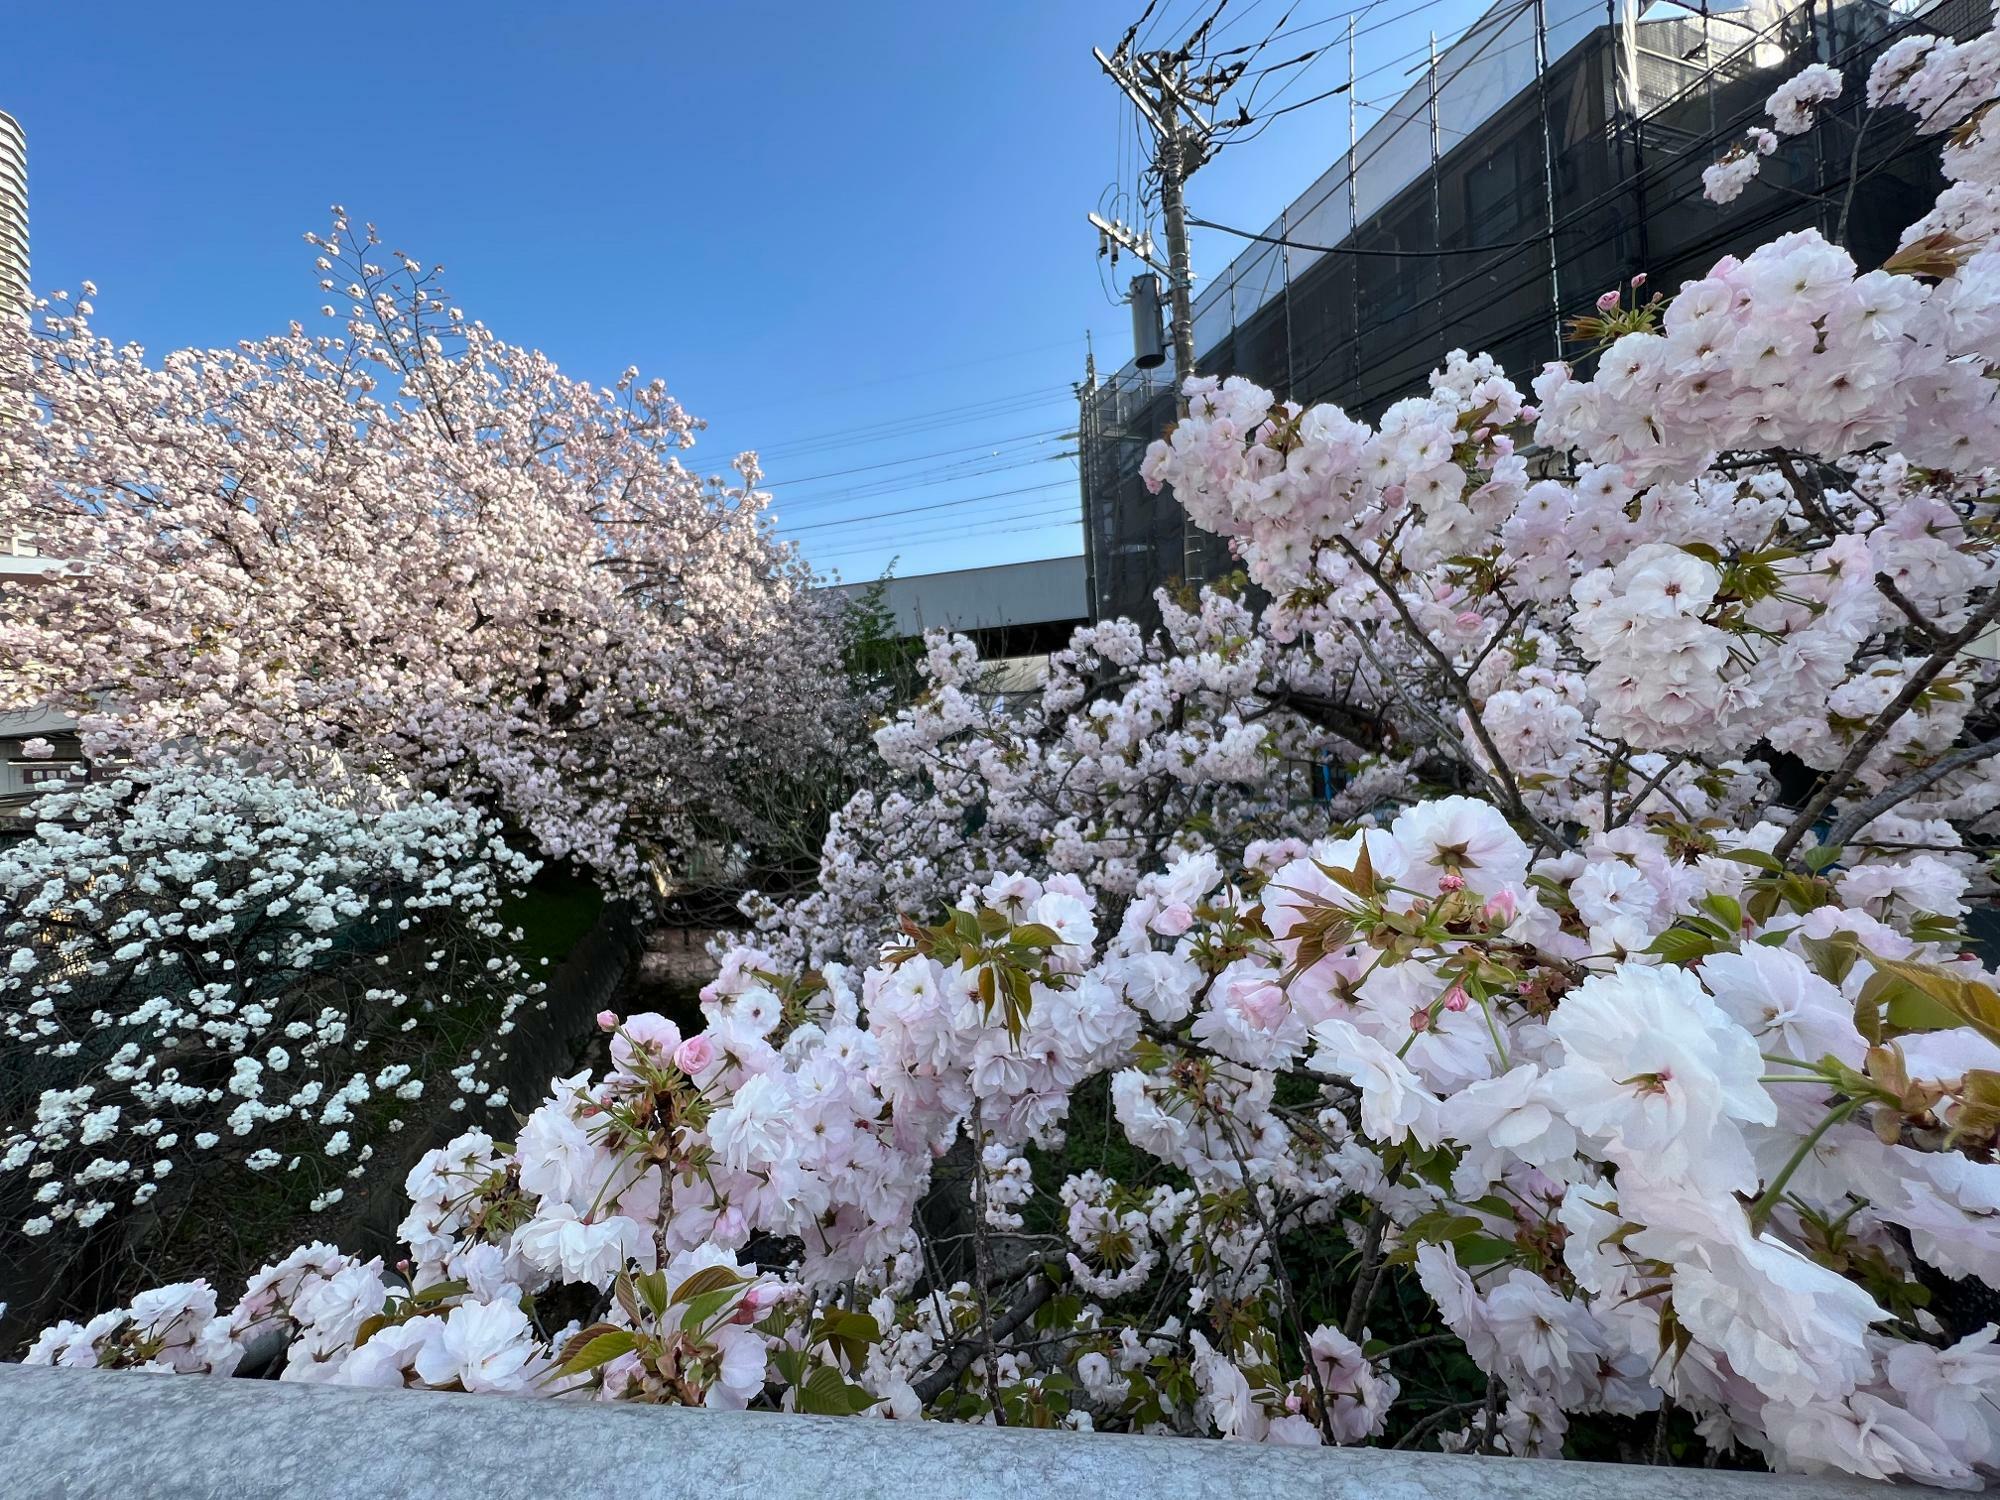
(404, 553)
(208, 973)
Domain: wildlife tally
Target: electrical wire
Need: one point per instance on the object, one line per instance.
(905, 484)
(1732, 230)
(922, 541)
(942, 418)
(1067, 512)
(772, 484)
(1043, 509)
(1494, 20)
(923, 374)
(1275, 239)
(911, 510)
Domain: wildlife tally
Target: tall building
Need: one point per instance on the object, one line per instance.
(1551, 152)
(13, 209)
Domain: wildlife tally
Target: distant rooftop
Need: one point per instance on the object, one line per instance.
(1050, 590)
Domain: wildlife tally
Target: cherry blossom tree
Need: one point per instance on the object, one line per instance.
(406, 554)
(1627, 1024)
(208, 972)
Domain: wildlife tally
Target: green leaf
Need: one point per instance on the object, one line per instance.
(1682, 945)
(1481, 1250)
(1961, 1002)
(1725, 908)
(600, 1350)
(1832, 957)
(707, 1279)
(628, 1298)
(702, 1309)
(1757, 858)
(438, 1291)
(1817, 859)
(652, 1286)
(849, 1333)
(825, 1394)
(1037, 935)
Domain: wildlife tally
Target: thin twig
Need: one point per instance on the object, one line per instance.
(1855, 820)
(1838, 779)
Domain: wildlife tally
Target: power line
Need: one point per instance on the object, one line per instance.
(931, 481)
(1277, 239)
(946, 532)
(1493, 21)
(1624, 185)
(1677, 162)
(937, 538)
(942, 418)
(889, 463)
(910, 510)
(926, 373)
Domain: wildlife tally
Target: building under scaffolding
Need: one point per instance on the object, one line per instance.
(1552, 152)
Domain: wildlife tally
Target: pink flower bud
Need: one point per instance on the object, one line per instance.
(1608, 302)
(1456, 999)
(1531, 413)
(1639, 280)
(1420, 1018)
(1449, 882)
(607, 1020)
(1469, 619)
(1501, 908)
(694, 1055)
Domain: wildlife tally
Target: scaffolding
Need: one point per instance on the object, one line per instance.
(1551, 152)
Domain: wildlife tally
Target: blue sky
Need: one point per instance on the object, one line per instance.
(851, 236)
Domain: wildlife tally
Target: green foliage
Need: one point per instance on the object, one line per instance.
(876, 658)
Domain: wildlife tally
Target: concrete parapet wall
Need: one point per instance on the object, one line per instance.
(86, 1434)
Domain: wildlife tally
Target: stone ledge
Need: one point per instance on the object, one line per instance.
(101, 1435)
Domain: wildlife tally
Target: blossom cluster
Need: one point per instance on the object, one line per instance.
(199, 964)
(1622, 1180)
(404, 553)
(1132, 741)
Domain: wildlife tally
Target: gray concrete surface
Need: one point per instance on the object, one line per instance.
(96, 1435)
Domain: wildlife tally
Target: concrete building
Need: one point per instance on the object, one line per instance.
(1013, 609)
(13, 210)
(1544, 157)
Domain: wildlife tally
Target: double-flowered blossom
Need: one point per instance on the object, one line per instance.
(1616, 1012)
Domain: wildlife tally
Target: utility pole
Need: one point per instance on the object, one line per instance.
(1169, 100)
(1548, 168)
(1172, 163)
(1086, 467)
